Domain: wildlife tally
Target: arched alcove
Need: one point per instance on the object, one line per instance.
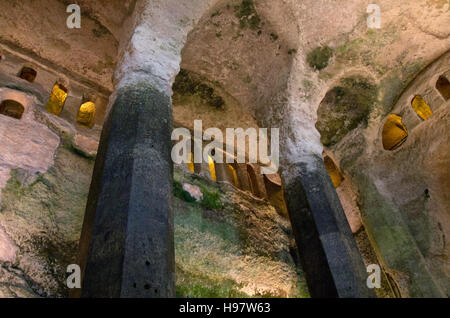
(57, 99)
(190, 164)
(253, 180)
(86, 114)
(335, 174)
(421, 107)
(275, 193)
(28, 74)
(394, 132)
(443, 86)
(12, 109)
(233, 175)
(344, 108)
(212, 168)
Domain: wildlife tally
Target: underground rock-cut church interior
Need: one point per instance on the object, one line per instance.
(87, 178)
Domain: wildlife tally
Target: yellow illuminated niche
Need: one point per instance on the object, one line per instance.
(394, 132)
(86, 114)
(190, 164)
(57, 99)
(233, 175)
(212, 168)
(421, 107)
(335, 175)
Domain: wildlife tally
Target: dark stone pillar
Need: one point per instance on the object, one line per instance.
(329, 255)
(126, 247)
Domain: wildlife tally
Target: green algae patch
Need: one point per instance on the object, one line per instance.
(233, 246)
(319, 58)
(247, 15)
(187, 83)
(344, 108)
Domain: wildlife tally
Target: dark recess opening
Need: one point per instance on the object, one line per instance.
(443, 86)
(12, 109)
(28, 74)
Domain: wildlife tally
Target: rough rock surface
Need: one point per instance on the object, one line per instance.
(232, 244)
(26, 143)
(193, 190)
(229, 244)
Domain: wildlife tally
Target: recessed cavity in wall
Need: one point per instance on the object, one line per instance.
(11, 108)
(335, 174)
(190, 164)
(212, 168)
(421, 107)
(86, 114)
(233, 175)
(443, 86)
(394, 132)
(57, 99)
(28, 74)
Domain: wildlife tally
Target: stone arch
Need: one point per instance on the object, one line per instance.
(28, 73)
(443, 86)
(57, 99)
(394, 132)
(11, 108)
(421, 107)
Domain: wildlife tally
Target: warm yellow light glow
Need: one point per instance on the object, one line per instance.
(233, 175)
(57, 99)
(394, 132)
(212, 168)
(86, 115)
(421, 107)
(190, 164)
(335, 175)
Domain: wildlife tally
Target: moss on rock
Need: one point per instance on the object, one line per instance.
(236, 247)
(43, 214)
(344, 108)
(187, 83)
(319, 57)
(247, 15)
